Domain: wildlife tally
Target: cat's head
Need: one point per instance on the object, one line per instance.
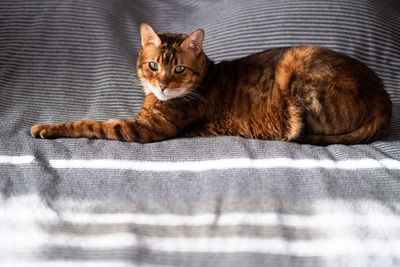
(171, 65)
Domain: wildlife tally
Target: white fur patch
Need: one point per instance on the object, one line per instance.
(168, 94)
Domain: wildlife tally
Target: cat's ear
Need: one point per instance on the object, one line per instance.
(194, 41)
(149, 36)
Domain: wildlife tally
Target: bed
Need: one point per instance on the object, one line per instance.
(215, 201)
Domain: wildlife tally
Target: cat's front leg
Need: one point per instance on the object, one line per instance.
(87, 129)
(123, 130)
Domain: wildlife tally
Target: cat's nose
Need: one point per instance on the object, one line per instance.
(163, 86)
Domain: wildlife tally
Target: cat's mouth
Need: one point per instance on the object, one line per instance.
(166, 94)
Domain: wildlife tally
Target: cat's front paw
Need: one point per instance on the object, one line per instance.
(41, 130)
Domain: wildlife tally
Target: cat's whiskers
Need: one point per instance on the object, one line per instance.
(185, 98)
(184, 95)
(196, 95)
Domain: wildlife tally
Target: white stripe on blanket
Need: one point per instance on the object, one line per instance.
(69, 263)
(207, 165)
(369, 216)
(223, 164)
(325, 247)
(320, 247)
(16, 160)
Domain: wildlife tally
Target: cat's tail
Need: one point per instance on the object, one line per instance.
(373, 130)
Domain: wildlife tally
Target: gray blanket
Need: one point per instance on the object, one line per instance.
(220, 201)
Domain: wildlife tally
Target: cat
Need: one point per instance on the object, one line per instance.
(304, 94)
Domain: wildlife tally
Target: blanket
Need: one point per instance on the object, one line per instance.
(211, 201)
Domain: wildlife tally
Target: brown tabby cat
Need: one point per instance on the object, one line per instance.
(305, 94)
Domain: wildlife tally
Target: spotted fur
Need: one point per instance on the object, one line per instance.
(304, 94)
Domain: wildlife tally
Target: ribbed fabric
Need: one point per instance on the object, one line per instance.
(221, 201)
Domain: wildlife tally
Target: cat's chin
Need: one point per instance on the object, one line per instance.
(165, 96)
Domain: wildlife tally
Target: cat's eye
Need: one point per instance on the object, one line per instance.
(179, 69)
(153, 66)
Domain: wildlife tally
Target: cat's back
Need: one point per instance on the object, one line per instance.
(310, 93)
(342, 100)
(248, 77)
